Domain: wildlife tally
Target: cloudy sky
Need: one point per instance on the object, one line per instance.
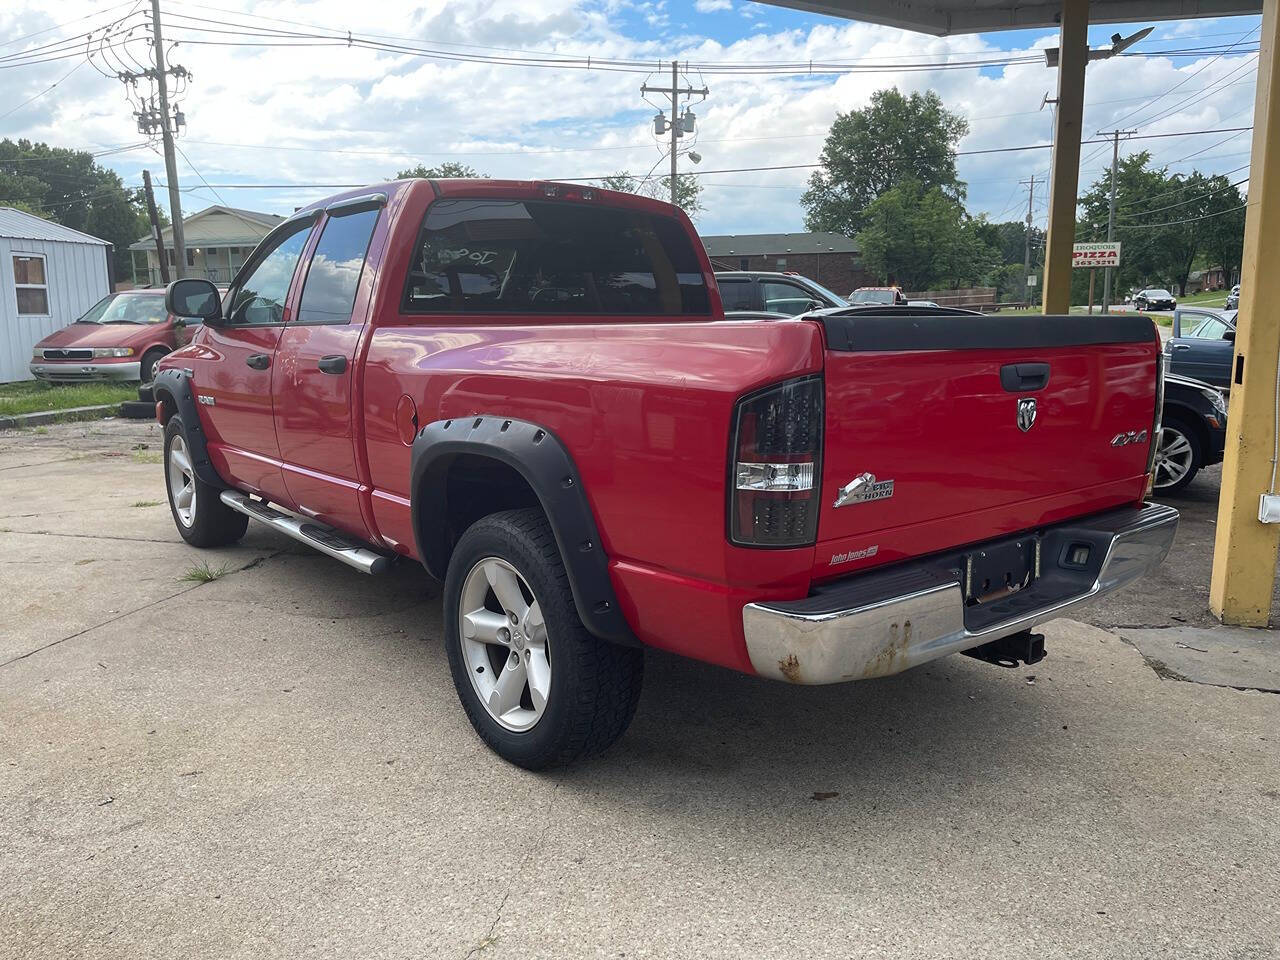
(315, 115)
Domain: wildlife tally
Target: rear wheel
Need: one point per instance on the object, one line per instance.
(198, 512)
(537, 687)
(1178, 457)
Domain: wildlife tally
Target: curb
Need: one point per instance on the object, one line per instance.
(20, 420)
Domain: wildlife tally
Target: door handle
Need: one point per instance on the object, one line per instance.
(259, 361)
(1182, 346)
(1019, 377)
(333, 364)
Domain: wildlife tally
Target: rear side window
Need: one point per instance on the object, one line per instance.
(735, 294)
(545, 257)
(329, 292)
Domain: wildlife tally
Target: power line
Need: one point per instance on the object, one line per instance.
(1174, 223)
(1183, 203)
(9, 113)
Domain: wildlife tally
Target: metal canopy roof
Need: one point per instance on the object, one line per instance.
(979, 16)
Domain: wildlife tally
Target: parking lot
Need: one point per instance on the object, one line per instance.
(274, 763)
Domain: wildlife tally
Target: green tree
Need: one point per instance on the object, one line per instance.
(688, 189)
(71, 188)
(1224, 227)
(1139, 189)
(896, 137)
(449, 170)
(920, 237)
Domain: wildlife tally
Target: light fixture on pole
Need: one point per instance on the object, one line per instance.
(1119, 45)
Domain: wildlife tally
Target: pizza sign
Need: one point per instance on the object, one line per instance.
(1095, 254)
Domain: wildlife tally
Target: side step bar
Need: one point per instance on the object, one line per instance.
(325, 539)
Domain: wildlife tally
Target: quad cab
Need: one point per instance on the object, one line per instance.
(532, 390)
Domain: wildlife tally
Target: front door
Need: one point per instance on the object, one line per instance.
(315, 371)
(233, 386)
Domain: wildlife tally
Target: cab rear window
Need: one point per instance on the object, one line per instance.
(547, 257)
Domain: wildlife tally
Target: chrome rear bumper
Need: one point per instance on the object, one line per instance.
(881, 623)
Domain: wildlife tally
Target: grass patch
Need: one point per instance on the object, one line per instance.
(1216, 298)
(146, 503)
(203, 573)
(36, 396)
(147, 456)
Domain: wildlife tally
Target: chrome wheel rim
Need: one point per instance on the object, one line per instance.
(504, 644)
(1174, 457)
(182, 481)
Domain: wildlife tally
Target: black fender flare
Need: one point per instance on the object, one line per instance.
(541, 458)
(174, 386)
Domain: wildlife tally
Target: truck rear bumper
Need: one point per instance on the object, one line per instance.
(882, 623)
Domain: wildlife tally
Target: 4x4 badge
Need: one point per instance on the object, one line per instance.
(1026, 413)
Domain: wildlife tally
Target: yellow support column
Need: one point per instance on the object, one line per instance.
(1244, 550)
(1073, 55)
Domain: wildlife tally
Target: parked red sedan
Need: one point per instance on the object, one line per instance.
(120, 338)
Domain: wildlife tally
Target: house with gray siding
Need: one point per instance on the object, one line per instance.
(49, 276)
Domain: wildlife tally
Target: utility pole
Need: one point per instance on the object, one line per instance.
(679, 124)
(1111, 216)
(1026, 250)
(170, 162)
(155, 228)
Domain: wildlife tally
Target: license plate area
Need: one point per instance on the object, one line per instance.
(999, 570)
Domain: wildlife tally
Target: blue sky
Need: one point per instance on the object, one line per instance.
(316, 116)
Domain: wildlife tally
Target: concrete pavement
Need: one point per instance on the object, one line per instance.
(274, 764)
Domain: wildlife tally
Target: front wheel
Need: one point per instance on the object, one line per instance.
(1178, 457)
(147, 368)
(537, 687)
(198, 511)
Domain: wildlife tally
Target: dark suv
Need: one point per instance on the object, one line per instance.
(785, 293)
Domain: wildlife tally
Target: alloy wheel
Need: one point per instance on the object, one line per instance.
(1174, 457)
(182, 481)
(504, 644)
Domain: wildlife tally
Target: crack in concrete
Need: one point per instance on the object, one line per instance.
(128, 613)
(42, 463)
(84, 536)
(489, 939)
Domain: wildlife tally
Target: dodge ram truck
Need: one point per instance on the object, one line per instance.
(532, 390)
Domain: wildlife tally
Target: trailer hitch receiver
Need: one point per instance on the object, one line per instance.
(1025, 647)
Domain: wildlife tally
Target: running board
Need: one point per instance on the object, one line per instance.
(325, 539)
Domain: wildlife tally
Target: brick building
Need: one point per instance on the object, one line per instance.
(827, 258)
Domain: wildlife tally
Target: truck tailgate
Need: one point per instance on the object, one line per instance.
(974, 427)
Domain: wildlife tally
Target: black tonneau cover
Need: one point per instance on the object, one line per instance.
(880, 328)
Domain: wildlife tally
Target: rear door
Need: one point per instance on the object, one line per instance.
(1203, 351)
(970, 427)
(234, 385)
(315, 373)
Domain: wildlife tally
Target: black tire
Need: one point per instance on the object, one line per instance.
(147, 368)
(137, 410)
(1171, 428)
(595, 685)
(213, 523)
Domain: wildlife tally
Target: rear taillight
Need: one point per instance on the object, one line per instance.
(776, 471)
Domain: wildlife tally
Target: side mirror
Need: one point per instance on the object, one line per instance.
(1229, 336)
(815, 305)
(194, 298)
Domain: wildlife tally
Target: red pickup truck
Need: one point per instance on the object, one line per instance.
(531, 389)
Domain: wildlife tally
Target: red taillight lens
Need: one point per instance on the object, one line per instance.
(776, 471)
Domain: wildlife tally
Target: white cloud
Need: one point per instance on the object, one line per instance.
(338, 115)
(711, 6)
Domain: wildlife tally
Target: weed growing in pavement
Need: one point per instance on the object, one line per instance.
(147, 456)
(203, 573)
(146, 503)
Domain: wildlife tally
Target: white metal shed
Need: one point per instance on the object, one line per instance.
(49, 276)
